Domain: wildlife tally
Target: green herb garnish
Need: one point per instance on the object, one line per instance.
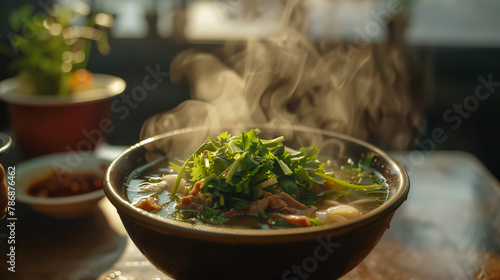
(238, 170)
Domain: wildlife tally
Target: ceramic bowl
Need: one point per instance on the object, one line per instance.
(186, 251)
(36, 169)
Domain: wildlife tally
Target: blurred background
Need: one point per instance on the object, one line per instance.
(430, 56)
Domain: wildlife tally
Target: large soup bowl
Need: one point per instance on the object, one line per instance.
(188, 251)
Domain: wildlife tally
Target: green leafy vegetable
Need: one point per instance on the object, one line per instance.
(237, 170)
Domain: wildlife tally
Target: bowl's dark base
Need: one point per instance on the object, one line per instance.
(324, 257)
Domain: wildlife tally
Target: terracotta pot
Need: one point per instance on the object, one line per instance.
(52, 123)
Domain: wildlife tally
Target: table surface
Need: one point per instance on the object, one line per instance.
(449, 228)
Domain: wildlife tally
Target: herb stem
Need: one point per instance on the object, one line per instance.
(184, 167)
(272, 141)
(234, 166)
(346, 184)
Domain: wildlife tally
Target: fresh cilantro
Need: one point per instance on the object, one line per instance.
(308, 180)
(212, 216)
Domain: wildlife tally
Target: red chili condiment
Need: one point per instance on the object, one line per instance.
(59, 185)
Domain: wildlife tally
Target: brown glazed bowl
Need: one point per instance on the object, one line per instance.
(186, 251)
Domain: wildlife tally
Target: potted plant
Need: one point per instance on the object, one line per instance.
(54, 103)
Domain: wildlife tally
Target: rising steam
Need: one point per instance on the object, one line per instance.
(366, 92)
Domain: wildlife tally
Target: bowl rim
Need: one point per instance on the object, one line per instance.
(6, 143)
(107, 86)
(37, 162)
(157, 222)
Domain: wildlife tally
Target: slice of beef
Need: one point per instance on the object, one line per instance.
(261, 203)
(196, 188)
(233, 212)
(296, 220)
(290, 201)
(192, 202)
(150, 204)
(276, 203)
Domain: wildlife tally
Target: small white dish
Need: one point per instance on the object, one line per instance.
(36, 169)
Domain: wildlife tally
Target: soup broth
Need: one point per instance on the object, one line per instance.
(286, 194)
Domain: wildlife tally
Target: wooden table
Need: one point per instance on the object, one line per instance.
(449, 228)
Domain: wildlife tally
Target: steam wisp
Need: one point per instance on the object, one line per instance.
(365, 92)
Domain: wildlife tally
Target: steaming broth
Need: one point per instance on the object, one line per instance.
(330, 194)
